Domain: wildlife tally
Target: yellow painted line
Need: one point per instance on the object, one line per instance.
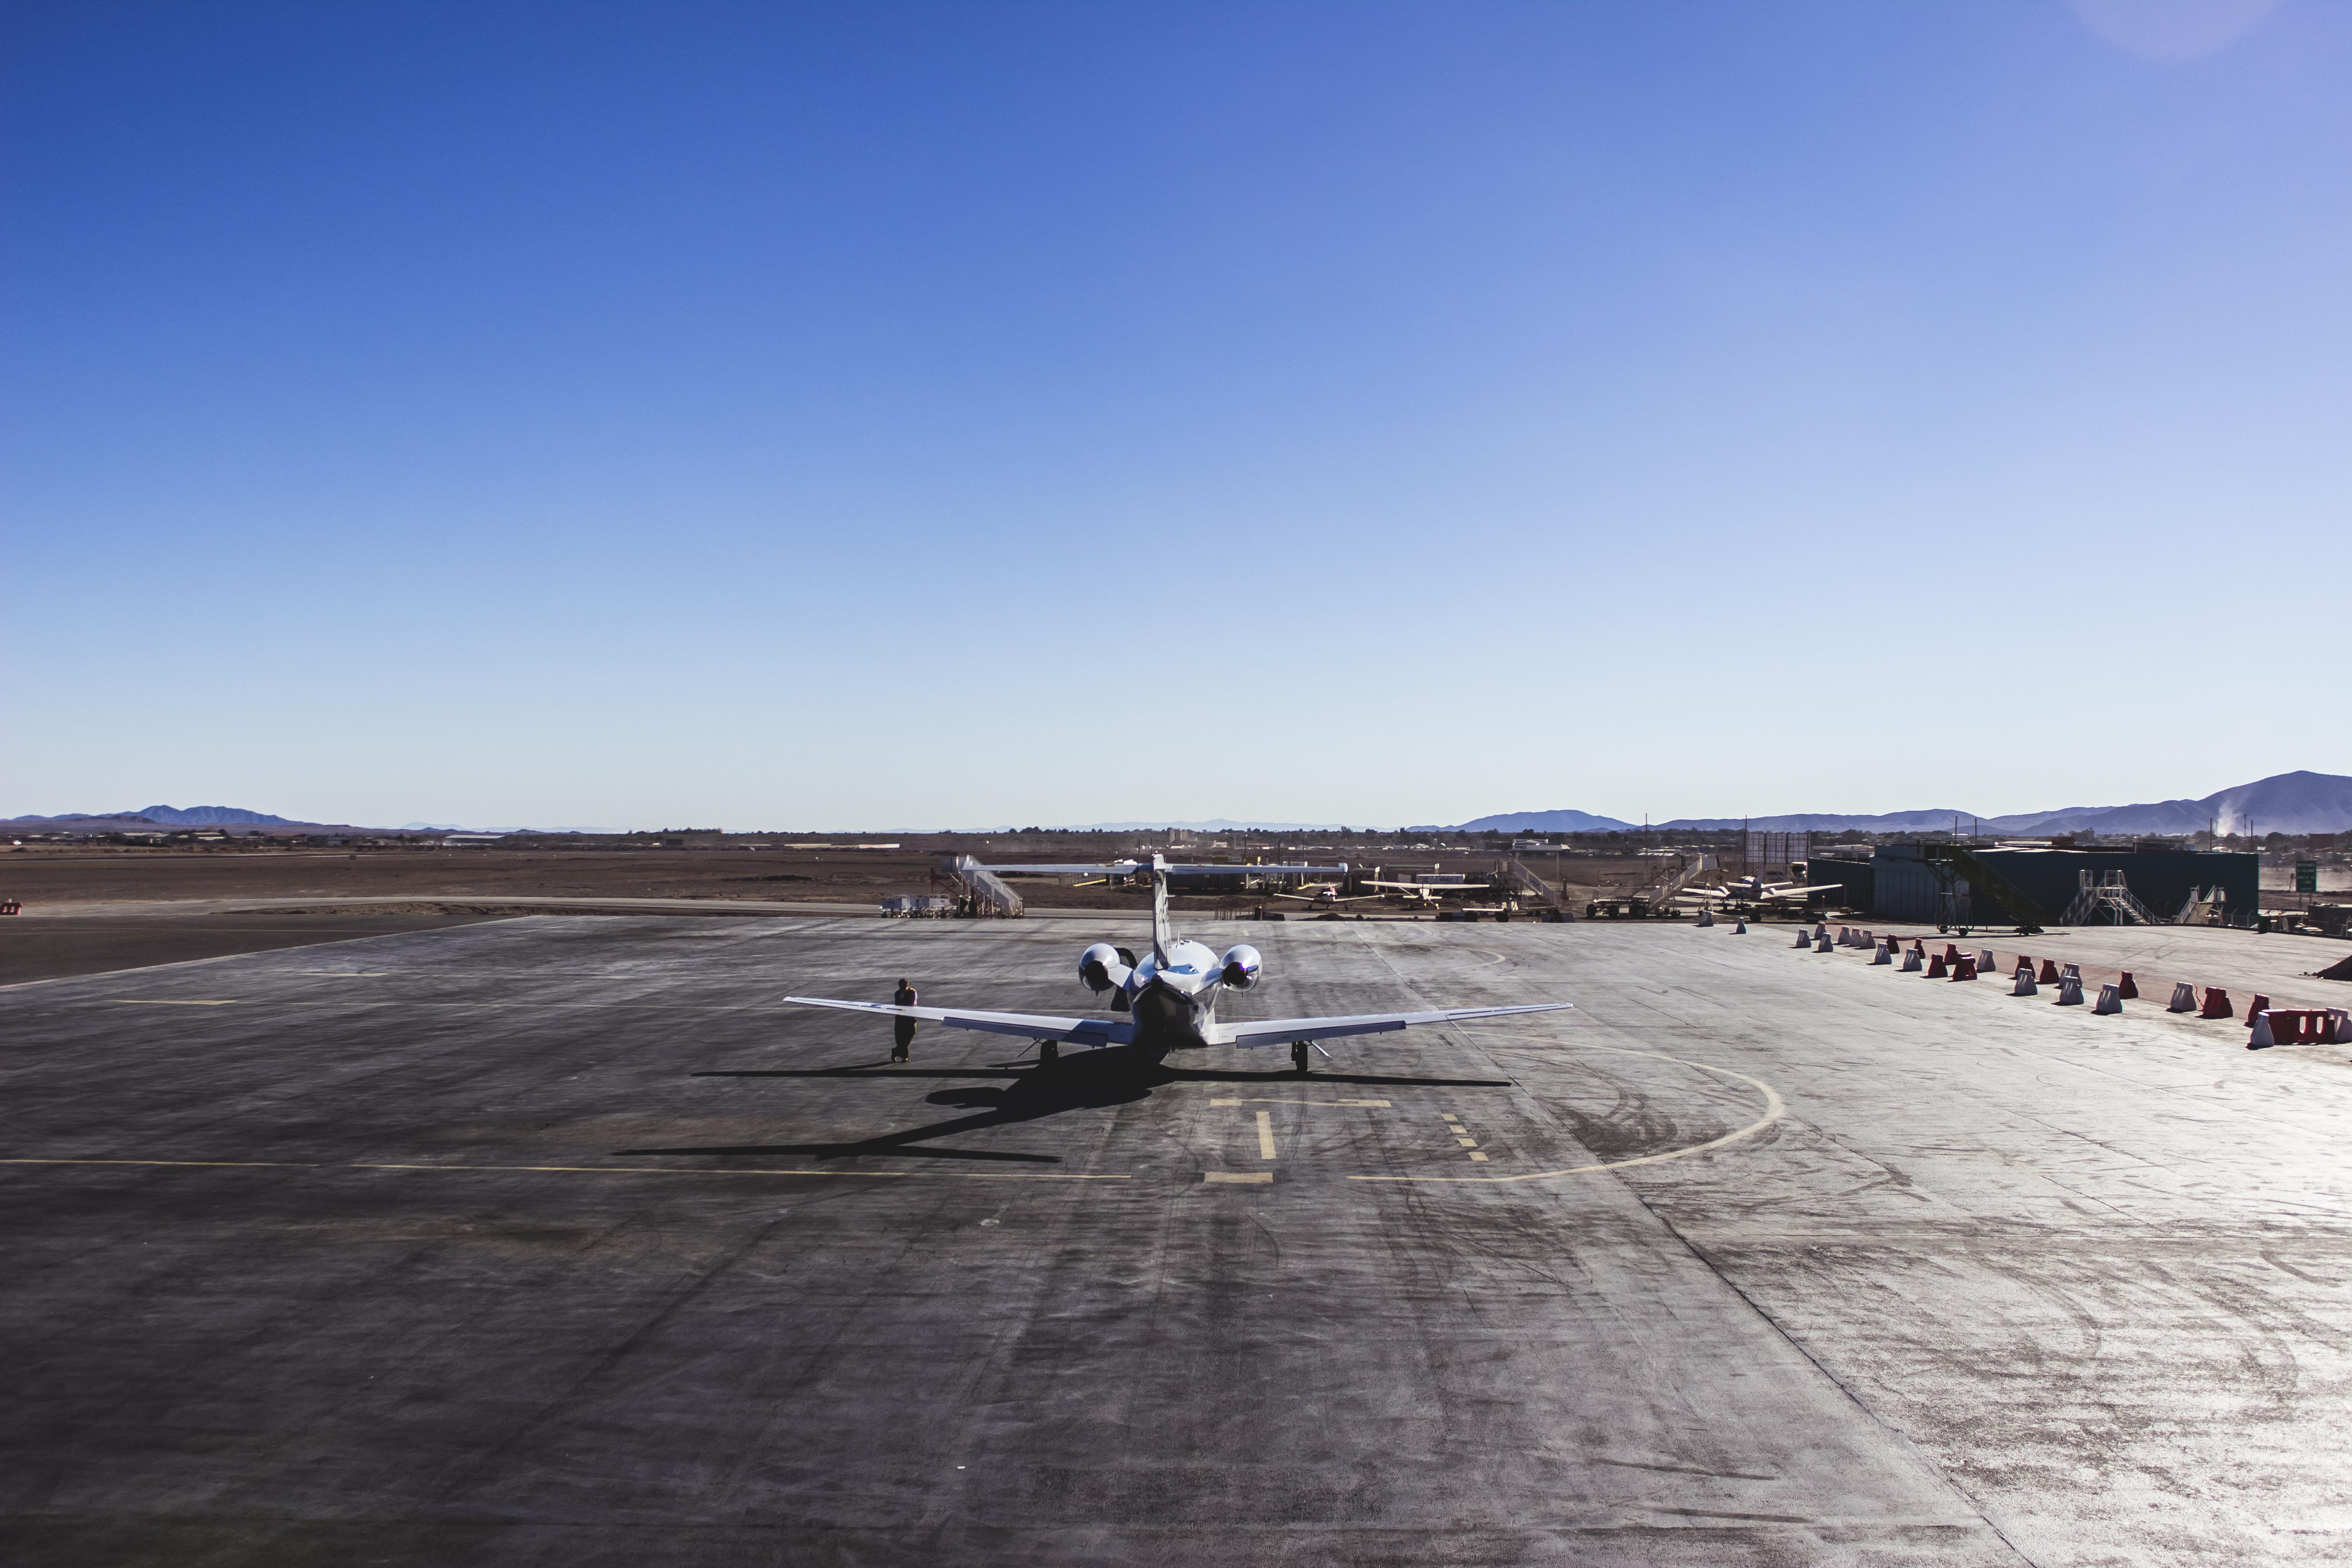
(1243, 1176)
(590, 1170)
(1775, 1108)
(1266, 1134)
(1374, 1104)
(1480, 1158)
(146, 1002)
(1468, 1142)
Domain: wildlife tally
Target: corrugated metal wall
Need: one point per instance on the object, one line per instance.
(1904, 887)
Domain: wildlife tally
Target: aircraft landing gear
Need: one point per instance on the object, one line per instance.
(1049, 1052)
(1298, 1049)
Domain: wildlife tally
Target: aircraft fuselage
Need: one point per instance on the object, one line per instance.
(1173, 1003)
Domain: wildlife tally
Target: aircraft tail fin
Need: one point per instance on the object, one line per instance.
(1161, 936)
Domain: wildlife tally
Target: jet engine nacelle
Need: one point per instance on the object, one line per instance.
(1104, 967)
(1241, 965)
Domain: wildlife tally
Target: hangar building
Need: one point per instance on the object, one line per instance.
(1911, 881)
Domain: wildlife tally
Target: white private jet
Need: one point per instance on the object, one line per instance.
(1170, 997)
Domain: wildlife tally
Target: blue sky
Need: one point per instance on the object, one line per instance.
(894, 415)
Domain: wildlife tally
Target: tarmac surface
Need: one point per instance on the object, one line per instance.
(563, 1240)
(93, 942)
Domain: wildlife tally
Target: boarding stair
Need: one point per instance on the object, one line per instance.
(984, 894)
(1523, 882)
(2106, 900)
(1656, 896)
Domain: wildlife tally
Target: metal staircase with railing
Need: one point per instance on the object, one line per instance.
(985, 895)
(2107, 899)
(1522, 880)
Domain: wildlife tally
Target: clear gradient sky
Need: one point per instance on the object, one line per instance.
(896, 415)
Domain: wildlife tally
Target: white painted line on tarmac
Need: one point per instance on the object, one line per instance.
(1266, 1134)
(1775, 1108)
(151, 1001)
(1374, 1104)
(1238, 1176)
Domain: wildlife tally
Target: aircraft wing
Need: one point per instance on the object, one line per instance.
(1224, 868)
(1129, 868)
(1800, 892)
(1101, 869)
(1028, 1025)
(1280, 1031)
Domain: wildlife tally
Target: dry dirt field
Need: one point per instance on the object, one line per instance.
(41, 876)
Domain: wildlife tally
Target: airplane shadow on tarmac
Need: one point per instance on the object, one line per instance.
(1115, 1077)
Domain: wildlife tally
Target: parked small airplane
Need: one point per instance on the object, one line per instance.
(1325, 894)
(1427, 891)
(1757, 890)
(1171, 997)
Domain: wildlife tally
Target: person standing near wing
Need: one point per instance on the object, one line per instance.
(902, 1029)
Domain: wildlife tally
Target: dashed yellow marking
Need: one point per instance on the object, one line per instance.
(1468, 1142)
(1266, 1134)
(1245, 1176)
(1480, 1158)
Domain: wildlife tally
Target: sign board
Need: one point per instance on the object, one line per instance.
(2307, 875)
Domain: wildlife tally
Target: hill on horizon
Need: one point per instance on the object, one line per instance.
(2300, 802)
(1545, 821)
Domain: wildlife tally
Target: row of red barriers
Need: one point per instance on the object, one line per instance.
(2299, 1026)
(2272, 1025)
(11, 907)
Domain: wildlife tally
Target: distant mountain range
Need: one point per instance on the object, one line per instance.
(2284, 802)
(1547, 822)
(1209, 825)
(175, 817)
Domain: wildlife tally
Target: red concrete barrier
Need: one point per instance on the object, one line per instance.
(2291, 1026)
(2049, 975)
(2217, 1005)
(1936, 969)
(2126, 989)
(2254, 1009)
(1965, 969)
(11, 907)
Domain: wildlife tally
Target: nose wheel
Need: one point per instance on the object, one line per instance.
(1298, 1054)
